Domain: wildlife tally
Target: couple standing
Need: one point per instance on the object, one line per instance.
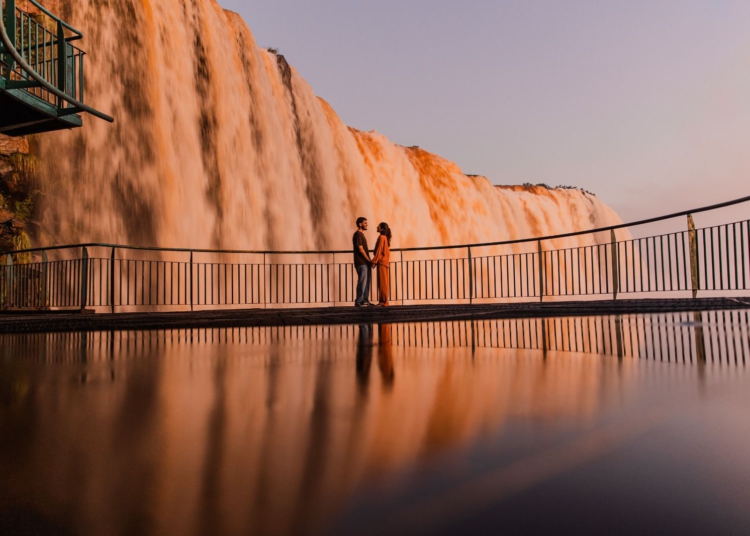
(363, 264)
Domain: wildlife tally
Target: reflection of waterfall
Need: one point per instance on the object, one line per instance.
(268, 430)
(218, 143)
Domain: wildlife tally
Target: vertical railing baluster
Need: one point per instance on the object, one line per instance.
(743, 228)
(540, 253)
(62, 63)
(694, 263)
(471, 278)
(265, 280)
(80, 77)
(401, 253)
(22, 31)
(112, 280)
(615, 266)
(734, 245)
(45, 268)
(10, 26)
(9, 279)
(84, 278)
(190, 282)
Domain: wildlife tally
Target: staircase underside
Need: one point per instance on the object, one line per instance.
(23, 113)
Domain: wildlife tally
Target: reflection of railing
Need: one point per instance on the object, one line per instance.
(111, 276)
(708, 337)
(713, 337)
(36, 55)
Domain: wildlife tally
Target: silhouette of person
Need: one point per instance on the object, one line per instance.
(362, 264)
(385, 354)
(364, 354)
(381, 259)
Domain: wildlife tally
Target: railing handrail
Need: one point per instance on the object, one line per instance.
(79, 34)
(425, 248)
(18, 58)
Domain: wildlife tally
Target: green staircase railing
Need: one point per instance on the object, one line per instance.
(37, 57)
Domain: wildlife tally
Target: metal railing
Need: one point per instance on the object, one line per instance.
(36, 55)
(115, 277)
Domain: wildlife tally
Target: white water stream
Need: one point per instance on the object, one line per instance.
(220, 144)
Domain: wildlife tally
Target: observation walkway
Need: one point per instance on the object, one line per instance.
(141, 287)
(41, 72)
(64, 321)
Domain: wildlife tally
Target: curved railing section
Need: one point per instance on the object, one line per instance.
(713, 259)
(43, 62)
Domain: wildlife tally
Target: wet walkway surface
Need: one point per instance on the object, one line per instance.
(62, 321)
(617, 425)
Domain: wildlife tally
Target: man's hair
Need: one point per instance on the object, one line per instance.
(360, 220)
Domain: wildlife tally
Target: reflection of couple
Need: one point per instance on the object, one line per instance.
(363, 264)
(365, 351)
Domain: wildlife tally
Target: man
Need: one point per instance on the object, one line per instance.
(362, 264)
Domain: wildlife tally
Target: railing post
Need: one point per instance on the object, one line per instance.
(541, 271)
(471, 278)
(694, 266)
(80, 78)
(332, 270)
(45, 262)
(403, 290)
(112, 279)
(615, 266)
(84, 277)
(265, 297)
(191, 281)
(62, 61)
(10, 27)
(10, 279)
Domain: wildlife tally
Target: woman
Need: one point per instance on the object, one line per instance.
(382, 259)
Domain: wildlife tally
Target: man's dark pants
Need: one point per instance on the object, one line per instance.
(363, 284)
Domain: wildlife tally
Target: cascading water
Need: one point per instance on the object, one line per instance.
(220, 144)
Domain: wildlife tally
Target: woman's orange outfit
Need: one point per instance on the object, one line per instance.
(382, 259)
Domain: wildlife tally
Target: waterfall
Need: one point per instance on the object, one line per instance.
(221, 144)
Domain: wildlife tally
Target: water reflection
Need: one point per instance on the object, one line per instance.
(268, 430)
(366, 348)
(713, 337)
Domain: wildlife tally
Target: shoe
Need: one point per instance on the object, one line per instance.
(368, 304)
(359, 304)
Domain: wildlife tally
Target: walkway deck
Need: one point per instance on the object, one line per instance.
(55, 321)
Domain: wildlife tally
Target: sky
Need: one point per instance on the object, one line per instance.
(644, 103)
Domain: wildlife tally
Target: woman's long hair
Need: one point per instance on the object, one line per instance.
(385, 230)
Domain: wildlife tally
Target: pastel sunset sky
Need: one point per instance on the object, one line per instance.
(645, 103)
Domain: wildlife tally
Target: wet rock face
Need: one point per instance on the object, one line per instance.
(13, 159)
(10, 146)
(13, 151)
(9, 230)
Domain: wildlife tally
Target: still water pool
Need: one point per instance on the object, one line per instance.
(619, 425)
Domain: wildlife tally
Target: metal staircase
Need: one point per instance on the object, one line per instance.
(41, 72)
